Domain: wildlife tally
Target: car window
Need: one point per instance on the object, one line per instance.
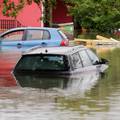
(92, 56)
(38, 35)
(85, 58)
(62, 34)
(14, 35)
(42, 62)
(76, 61)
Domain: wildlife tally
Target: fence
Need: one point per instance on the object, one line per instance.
(8, 24)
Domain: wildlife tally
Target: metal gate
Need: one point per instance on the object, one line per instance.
(8, 24)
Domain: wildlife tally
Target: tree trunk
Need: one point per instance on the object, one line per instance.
(47, 14)
(77, 28)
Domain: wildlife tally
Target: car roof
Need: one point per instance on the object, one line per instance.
(28, 28)
(25, 28)
(54, 50)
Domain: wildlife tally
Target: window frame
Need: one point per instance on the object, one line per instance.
(65, 60)
(27, 31)
(88, 58)
(71, 61)
(93, 63)
(62, 35)
(23, 37)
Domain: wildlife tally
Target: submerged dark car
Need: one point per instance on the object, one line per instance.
(59, 60)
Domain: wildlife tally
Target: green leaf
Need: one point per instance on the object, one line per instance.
(4, 10)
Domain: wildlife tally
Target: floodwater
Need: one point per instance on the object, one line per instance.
(89, 96)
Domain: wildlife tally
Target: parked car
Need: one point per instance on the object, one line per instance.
(59, 60)
(26, 37)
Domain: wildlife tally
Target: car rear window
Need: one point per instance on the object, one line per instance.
(42, 62)
(62, 34)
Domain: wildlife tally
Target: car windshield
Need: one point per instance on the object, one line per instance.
(42, 62)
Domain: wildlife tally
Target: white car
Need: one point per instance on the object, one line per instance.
(60, 60)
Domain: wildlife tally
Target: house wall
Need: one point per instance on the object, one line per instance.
(29, 16)
(60, 13)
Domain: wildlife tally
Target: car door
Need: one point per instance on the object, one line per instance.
(37, 37)
(11, 40)
(101, 64)
(88, 61)
(76, 63)
(81, 62)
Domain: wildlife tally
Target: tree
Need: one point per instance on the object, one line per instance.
(97, 15)
(10, 8)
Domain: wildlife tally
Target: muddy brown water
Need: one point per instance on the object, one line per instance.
(90, 96)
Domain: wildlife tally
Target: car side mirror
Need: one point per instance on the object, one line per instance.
(103, 61)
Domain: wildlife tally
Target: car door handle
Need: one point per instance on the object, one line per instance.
(19, 45)
(43, 44)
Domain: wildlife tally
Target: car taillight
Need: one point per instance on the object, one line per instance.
(64, 43)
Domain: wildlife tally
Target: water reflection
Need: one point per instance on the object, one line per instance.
(87, 97)
(103, 99)
(7, 63)
(72, 84)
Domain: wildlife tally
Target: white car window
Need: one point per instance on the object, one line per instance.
(85, 58)
(76, 61)
(92, 56)
(12, 36)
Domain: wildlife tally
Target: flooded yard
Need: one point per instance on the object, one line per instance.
(88, 96)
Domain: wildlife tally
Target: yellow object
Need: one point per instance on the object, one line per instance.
(99, 37)
(100, 40)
